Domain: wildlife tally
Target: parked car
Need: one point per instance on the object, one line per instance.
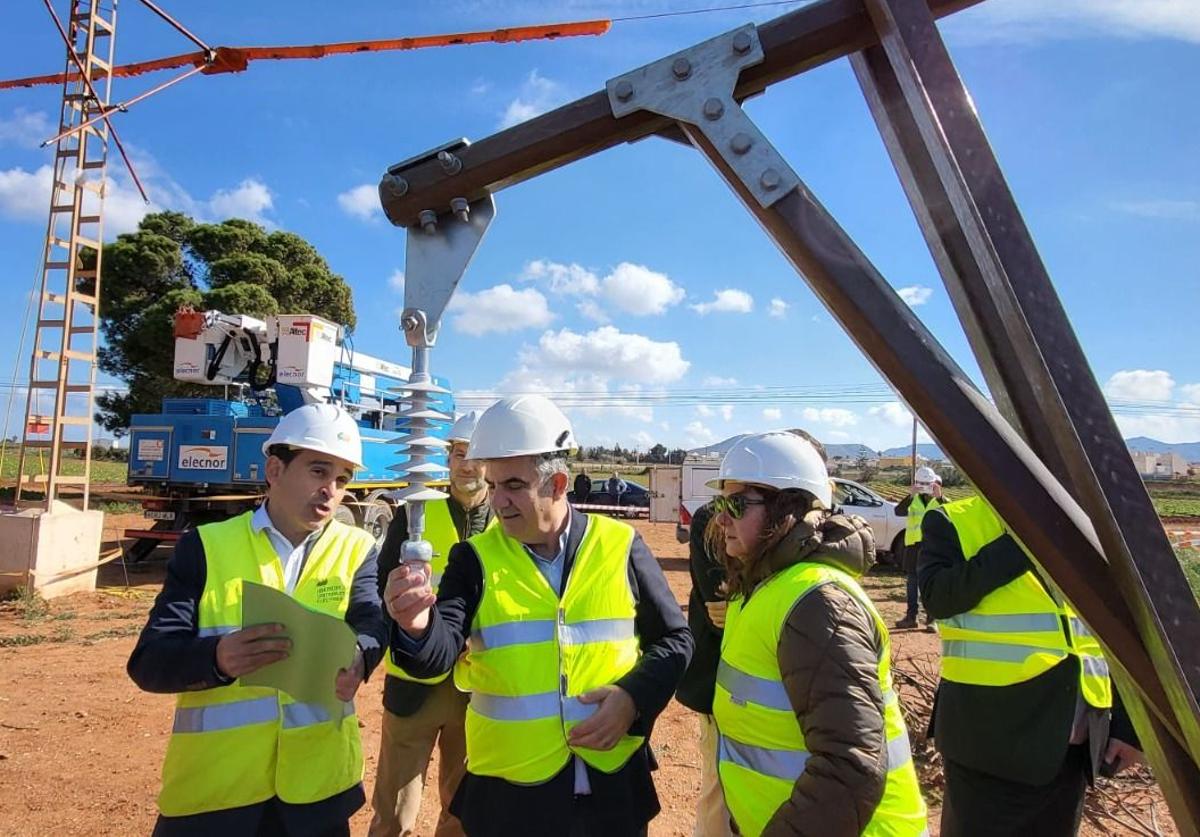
(853, 497)
(635, 495)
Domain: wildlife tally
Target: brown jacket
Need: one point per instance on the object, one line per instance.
(829, 657)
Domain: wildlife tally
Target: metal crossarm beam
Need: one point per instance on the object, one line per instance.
(808, 37)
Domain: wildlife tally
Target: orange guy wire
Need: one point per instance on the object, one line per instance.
(236, 59)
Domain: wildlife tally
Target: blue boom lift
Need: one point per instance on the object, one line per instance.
(200, 459)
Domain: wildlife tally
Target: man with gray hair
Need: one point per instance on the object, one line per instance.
(574, 642)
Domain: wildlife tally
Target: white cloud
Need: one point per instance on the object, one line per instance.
(636, 289)
(608, 352)
(1190, 393)
(833, 416)
(705, 411)
(538, 94)
(1037, 20)
(915, 295)
(698, 435)
(630, 288)
(26, 128)
(25, 196)
(772, 414)
(726, 411)
(481, 86)
(778, 308)
(592, 311)
(361, 202)
(718, 381)
(1170, 428)
(1163, 209)
(250, 199)
(893, 412)
(396, 280)
(727, 300)
(643, 440)
(1140, 385)
(568, 279)
(499, 309)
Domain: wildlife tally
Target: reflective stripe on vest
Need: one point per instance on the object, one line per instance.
(531, 654)
(442, 534)
(789, 764)
(1019, 631)
(761, 750)
(916, 513)
(237, 745)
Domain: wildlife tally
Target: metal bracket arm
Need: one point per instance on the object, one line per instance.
(696, 87)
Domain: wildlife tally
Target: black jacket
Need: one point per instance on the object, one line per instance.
(1021, 732)
(625, 800)
(170, 658)
(405, 697)
(700, 680)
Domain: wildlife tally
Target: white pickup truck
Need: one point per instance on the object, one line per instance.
(879, 513)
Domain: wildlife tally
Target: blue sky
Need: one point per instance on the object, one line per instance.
(634, 277)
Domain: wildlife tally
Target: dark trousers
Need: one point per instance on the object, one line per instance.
(910, 596)
(269, 819)
(585, 822)
(980, 805)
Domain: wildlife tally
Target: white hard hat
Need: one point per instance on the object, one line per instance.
(325, 428)
(926, 475)
(521, 425)
(464, 427)
(778, 460)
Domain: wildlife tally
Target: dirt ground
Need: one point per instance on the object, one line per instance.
(81, 747)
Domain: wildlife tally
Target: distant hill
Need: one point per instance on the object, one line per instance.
(929, 451)
(1190, 451)
(849, 451)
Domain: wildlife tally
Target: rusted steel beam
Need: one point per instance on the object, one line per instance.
(795, 42)
(1022, 336)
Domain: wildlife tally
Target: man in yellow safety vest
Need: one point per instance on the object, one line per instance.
(574, 644)
(1025, 713)
(417, 712)
(926, 494)
(246, 759)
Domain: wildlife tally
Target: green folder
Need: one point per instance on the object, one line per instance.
(321, 645)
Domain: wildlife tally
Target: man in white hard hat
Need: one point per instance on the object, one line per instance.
(251, 760)
(575, 644)
(421, 711)
(926, 494)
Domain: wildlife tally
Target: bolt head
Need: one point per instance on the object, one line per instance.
(624, 91)
(770, 179)
(409, 323)
(428, 221)
(714, 109)
(681, 68)
(741, 143)
(394, 185)
(742, 43)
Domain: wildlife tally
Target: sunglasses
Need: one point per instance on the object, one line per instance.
(735, 504)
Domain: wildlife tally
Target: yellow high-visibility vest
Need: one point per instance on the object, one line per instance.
(532, 654)
(237, 745)
(762, 751)
(916, 513)
(1018, 631)
(440, 532)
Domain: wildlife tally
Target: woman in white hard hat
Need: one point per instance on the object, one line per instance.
(811, 735)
